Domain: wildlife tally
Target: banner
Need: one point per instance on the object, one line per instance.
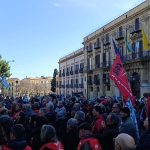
(146, 43)
(4, 82)
(118, 75)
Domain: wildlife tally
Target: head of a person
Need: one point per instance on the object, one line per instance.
(125, 112)
(17, 131)
(48, 134)
(72, 123)
(124, 142)
(112, 120)
(116, 108)
(60, 104)
(97, 110)
(79, 116)
(85, 130)
(147, 123)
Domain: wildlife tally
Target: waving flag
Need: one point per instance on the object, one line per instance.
(118, 75)
(133, 116)
(128, 44)
(117, 51)
(4, 82)
(146, 43)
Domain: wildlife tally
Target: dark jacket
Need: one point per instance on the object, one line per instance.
(128, 127)
(18, 144)
(106, 139)
(71, 139)
(144, 143)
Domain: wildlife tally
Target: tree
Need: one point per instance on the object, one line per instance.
(4, 68)
(53, 82)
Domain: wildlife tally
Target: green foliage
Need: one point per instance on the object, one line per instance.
(4, 68)
(53, 82)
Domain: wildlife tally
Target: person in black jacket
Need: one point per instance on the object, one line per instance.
(144, 143)
(71, 138)
(17, 135)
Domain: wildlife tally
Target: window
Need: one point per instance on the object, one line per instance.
(137, 24)
(120, 31)
(97, 61)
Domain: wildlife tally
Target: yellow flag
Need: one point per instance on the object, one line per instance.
(146, 43)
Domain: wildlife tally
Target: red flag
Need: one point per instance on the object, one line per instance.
(118, 75)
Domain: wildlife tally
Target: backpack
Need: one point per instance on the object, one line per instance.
(52, 146)
(89, 144)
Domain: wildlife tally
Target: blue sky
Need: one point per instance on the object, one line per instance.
(36, 33)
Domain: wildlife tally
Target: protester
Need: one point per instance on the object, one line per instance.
(87, 142)
(49, 139)
(124, 142)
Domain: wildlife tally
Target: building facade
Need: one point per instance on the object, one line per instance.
(30, 86)
(71, 74)
(99, 53)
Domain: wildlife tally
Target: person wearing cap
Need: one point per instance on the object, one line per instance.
(87, 140)
(127, 126)
(124, 142)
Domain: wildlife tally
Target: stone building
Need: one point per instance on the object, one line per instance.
(99, 53)
(71, 74)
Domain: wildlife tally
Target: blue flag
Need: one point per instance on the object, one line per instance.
(4, 82)
(117, 51)
(133, 116)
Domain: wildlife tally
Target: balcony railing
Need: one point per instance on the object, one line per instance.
(106, 64)
(106, 81)
(76, 85)
(135, 29)
(71, 72)
(63, 86)
(96, 81)
(67, 73)
(81, 85)
(67, 85)
(63, 74)
(119, 36)
(97, 46)
(76, 71)
(90, 82)
(140, 56)
(81, 70)
(71, 85)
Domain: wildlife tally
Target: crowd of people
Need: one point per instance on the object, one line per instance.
(53, 123)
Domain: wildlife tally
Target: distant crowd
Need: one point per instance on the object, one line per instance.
(54, 123)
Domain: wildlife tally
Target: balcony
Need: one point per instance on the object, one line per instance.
(59, 74)
(135, 29)
(81, 85)
(140, 56)
(76, 85)
(106, 64)
(119, 36)
(96, 81)
(67, 85)
(90, 82)
(71, 72)
(81, 70)
(71, 85)
(90, 69)
(63, 86)
(106, 43)
(97, 66)
(63, 74)
(97, 45)
(76, 71)
(67, 73)
(106, 81)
